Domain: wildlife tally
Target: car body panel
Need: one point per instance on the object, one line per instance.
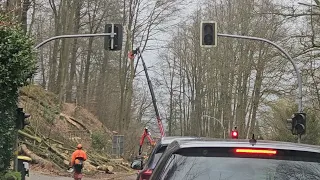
(162, 143)
(246, 144)
(230, 143)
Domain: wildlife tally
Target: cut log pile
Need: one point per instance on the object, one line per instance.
(53, 155)
(55, 122)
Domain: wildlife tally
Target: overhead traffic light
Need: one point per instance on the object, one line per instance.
(234, 133)
(208, 34)
(21, 120)
(113, 43)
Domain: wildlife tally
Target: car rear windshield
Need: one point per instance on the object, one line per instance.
(227, 164)
(157, 156)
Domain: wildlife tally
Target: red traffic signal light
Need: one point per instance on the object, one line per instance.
(234, 134)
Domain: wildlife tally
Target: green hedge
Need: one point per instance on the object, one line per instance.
(11, 175)
(17, 65)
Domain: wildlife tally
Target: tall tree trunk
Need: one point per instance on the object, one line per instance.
(63, 63)
(103, 79)
(256, 90)
(86, 74)
(24, 14)
(125, 84)
(76, 28)
(53, 59)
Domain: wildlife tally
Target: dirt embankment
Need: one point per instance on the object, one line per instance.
(55, 129)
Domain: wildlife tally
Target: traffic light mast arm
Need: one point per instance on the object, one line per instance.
(284, 52)
(70, 36)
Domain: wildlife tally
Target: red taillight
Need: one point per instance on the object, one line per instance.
(145, 175)
(234, 134)
(256, 151)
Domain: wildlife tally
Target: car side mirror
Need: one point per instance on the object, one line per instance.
(137, 164)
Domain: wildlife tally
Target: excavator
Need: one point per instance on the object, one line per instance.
(146, 134)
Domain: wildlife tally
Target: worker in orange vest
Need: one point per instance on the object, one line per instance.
(77, 159)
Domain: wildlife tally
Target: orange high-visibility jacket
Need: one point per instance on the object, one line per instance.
(78, 154)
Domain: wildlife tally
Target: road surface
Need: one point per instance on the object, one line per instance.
(40, 176)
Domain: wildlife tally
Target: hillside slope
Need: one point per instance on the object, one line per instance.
(56, 129)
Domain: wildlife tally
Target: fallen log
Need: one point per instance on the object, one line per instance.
(29, 130)
(106, 159)
(106, 169)
(56, 160)
(38, 160)
(117, 160)
(33, 146)
(69, 120)
(125, 164)
(56, 141)
(98, 157)
(66, 149)
(54, 150)
(29, 136)
(95, 161)
(124, 167)
(79, 123)
(88, 167)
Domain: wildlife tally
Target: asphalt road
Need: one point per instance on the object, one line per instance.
(39, 176)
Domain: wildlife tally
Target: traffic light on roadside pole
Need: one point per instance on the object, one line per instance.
(297, 124)
(113, 43)
(208, 34)
(234, 133)
(22, 119)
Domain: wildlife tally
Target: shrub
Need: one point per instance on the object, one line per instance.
(10, 175)
(17, 65)
(98, 141)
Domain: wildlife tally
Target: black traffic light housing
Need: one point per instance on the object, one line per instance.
(299, 124)
(117, 39)
(208, 34)
(21, 120)
(234, 133)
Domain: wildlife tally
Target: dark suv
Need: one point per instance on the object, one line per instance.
(238, 160)
(160, 147)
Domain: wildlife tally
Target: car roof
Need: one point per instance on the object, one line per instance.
(169, 139)
(244, 143)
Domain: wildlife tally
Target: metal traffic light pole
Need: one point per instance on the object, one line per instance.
(112, 30)
(72, 36)
(287, 55)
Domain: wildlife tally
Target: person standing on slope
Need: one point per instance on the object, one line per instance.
(77, 159)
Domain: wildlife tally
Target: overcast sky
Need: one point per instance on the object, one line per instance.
(151, 57)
